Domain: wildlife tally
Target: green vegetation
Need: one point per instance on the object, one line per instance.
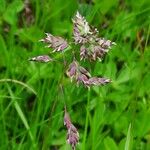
(32, 95)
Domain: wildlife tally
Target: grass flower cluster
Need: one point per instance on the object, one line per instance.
(91, 48)
(104, 88)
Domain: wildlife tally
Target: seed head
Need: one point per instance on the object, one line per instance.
(96, 49)
(55, 42)
(81, 31)
(81, 75)
(92, 47)
(72, 133)
(78, 73)
(72, 70)
(42, 58)
(97, 81)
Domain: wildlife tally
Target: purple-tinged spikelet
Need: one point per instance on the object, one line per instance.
(55, 42)
(81, 29)
(78, 73)
(81, 75)
(97, 81)
(72, 133)
(96, 49)
(92, 47)
(72, 70)
(41, 58)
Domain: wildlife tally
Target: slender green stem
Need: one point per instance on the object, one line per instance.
(86, 122)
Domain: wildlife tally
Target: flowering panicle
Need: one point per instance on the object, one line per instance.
(72, 133)
(81, 75)
(96, 49)
(92, 47)
(57, 43)
(82, 32)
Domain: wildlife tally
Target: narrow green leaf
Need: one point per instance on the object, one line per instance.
(22, 117)
(128, 140)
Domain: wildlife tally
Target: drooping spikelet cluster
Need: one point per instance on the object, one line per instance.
(81, 75)
(72, 133)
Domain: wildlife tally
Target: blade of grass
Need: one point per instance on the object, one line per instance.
(128, 140)
(22, 116)
(147, 37)
(19, 82)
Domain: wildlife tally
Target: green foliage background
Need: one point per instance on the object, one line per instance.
(113, 117)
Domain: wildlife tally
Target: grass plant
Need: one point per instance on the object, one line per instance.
(33, 95)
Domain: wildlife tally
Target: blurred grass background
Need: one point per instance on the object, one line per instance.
(116, 117)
